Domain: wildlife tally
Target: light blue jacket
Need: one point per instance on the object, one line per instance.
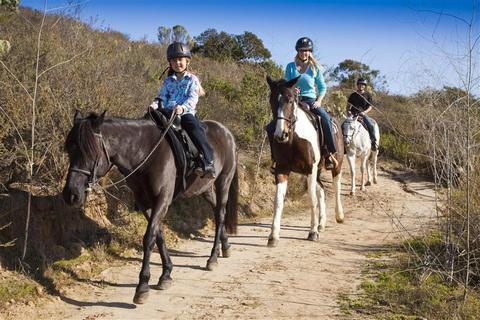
(184, 92)
(307, 81)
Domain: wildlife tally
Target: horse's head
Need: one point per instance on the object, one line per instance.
(283, 101)
(88, 157)
(349, 128)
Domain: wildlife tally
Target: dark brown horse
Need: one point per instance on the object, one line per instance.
(296, 148)
(95, 144)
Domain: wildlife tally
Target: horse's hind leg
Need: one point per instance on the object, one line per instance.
(221, 187)
(373, 161)
(211, 199)
(274, 236)
(165, 280)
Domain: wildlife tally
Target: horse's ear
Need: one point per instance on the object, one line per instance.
(293, 82)
(77, 117)
(270, 81)
(99, 120)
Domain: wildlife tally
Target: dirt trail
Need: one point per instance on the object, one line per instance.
(298, 279)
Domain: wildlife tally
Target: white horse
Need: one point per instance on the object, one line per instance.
(357, 143)
(296, 148)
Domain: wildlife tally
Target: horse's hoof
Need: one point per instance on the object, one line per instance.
(352, 193)
(375, 181)
(368, 184)
(226, 253)
(339, 220)
(140, 297)
(321, 229)
(164, 284)
(312, 236)
(211, 265)
(272, 242)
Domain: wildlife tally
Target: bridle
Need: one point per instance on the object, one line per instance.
(293, 117)
(92, 175)
(354, 131)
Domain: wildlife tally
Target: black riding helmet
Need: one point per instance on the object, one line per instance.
(361, 81)
(304, 43)
(178, 50)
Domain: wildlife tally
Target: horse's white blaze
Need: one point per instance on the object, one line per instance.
(278, 208)
(280, 124)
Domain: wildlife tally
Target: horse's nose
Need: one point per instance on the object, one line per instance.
(69, 197)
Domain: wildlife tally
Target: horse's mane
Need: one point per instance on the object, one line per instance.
(83, 135)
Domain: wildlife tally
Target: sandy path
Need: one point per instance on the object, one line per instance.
(298, 279)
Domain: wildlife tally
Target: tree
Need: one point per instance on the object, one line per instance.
(9, 4)
(178, 33)
(252, 47)
(222, 46)
(348, 71)
(164, 35)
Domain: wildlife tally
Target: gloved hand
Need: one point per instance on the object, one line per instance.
(154, 104)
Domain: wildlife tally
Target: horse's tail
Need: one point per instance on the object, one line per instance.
(231, 216)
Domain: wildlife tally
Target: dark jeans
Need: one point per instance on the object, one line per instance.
(193, 127)
(369, 124)
(326, 123)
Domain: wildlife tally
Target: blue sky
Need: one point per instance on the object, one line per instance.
(411, 46)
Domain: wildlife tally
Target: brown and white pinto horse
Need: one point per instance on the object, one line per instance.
(296, 148)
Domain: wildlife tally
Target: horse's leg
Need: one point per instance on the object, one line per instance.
(312, 194)
(282, 181)
(211, 198)
(158, 212)
(322, 208)
(337, 189)
(373, 161)
(351, 163)
(369, 168)
(165, 281)
(222, 185)
(363, 166)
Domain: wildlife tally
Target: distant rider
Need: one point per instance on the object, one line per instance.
(360, 102)
(312, 88)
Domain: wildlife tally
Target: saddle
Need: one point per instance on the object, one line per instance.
(360, 119)
(317, 121)
(186, 154)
